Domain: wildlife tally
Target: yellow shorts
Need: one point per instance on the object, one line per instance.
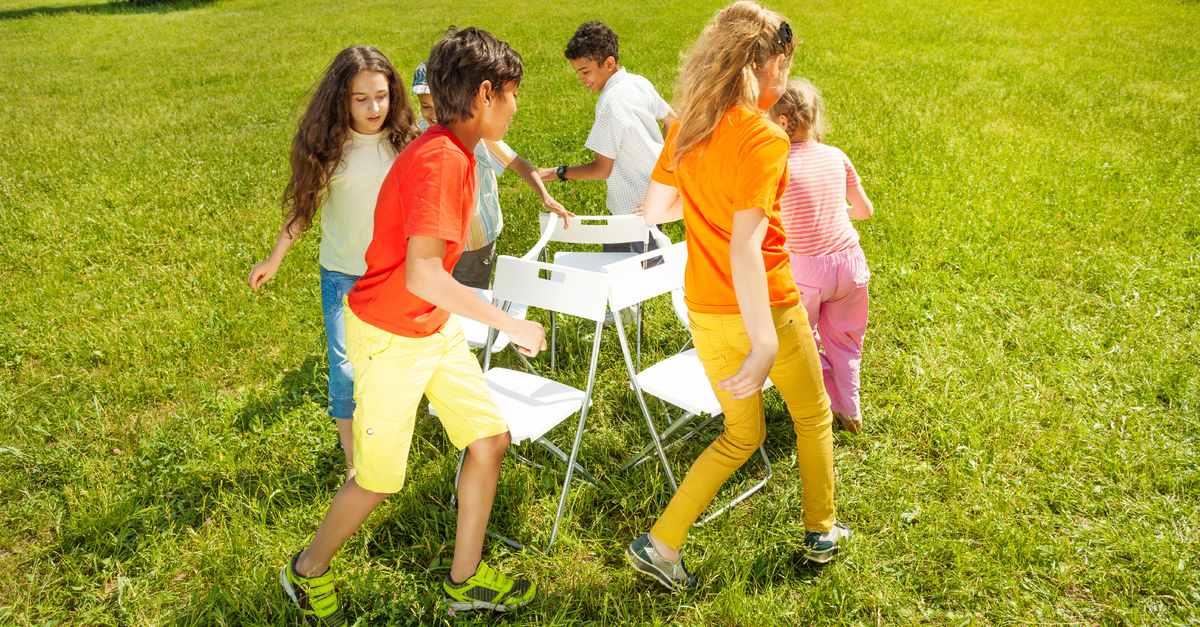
(391, 374)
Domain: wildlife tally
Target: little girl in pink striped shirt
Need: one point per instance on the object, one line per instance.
(827, 263)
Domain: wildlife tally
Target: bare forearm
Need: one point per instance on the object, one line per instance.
(750, 278)
(662, 204)
(431, 283)
(860, 206)
(663, 213)
(528, 173)
(671, 118)
(750, 286)
(588, 172)
(283, 243)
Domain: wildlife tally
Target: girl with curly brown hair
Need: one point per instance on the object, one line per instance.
(356, 124)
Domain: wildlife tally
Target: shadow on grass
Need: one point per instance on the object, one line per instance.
(109, 8)
(299, 385)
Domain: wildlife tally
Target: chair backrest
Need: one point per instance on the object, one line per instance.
(679, 304)
(634, 280)
(550, 223)
(554, 288)
(598, 229)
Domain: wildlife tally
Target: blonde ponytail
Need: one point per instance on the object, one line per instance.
(721, 71)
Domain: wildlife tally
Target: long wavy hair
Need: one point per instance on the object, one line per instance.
(721, 71)
(323, 130)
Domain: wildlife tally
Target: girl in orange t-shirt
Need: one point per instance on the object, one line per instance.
(723, 171)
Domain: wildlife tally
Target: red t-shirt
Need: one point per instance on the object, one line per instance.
(430, 191)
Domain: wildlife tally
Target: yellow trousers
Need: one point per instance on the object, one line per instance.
(722, 344)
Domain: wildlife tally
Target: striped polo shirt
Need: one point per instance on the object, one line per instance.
(813, 209)
(491, 158)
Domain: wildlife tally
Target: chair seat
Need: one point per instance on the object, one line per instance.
(532, 405)
(477, 332)
(680, 381)
(592, 262)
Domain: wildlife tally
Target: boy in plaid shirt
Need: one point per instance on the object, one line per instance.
(625, 136)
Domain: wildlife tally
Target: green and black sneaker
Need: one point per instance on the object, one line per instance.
(315, 596)
(488, 589)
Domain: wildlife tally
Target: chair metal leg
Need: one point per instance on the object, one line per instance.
(637, 389)
(745, 495)
(647, 451)
(487, 349)
(553, 338)
(563, 457)
(524, 359)
(587, 401)
(639, 336)
(525, 460)
(644, 455)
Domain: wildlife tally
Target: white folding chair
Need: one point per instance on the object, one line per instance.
(477, 332)
(531, 404)
(678, 380)
(595, 230)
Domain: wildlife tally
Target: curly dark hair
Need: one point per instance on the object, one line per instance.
(459, 64)
(595, 41)
(322, 133)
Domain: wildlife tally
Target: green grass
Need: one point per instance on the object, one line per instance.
(1031, 378)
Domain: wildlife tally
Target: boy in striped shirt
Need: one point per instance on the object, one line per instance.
(474, 267)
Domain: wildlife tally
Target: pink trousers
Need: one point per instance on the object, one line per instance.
(833, 291)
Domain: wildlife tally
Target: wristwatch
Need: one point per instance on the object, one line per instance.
(561, 172)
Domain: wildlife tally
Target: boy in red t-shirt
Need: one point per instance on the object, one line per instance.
(405, 341)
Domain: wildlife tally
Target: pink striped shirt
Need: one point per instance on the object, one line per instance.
(813, 208)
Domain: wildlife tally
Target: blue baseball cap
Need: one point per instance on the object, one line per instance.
(419, 84)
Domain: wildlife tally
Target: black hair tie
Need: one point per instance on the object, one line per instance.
(785, 33)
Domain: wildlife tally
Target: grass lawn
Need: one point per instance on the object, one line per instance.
(1031, 377)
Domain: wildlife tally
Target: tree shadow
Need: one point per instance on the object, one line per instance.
(108, 8)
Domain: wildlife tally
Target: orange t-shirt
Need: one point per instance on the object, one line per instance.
(743, 165)
(429, 191)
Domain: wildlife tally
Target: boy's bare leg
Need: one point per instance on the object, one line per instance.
(351, 506)
(476, 492)
(346, 434)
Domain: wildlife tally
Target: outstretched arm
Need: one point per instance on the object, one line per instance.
(264, 270)
(427, 279)
(667, 121)
(597, 170)
(529, 174)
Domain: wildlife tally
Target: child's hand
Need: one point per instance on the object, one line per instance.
(637, 211)
(548, 174)
(750, 378)
(529, 336)
(261, 273)
(554, 206)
